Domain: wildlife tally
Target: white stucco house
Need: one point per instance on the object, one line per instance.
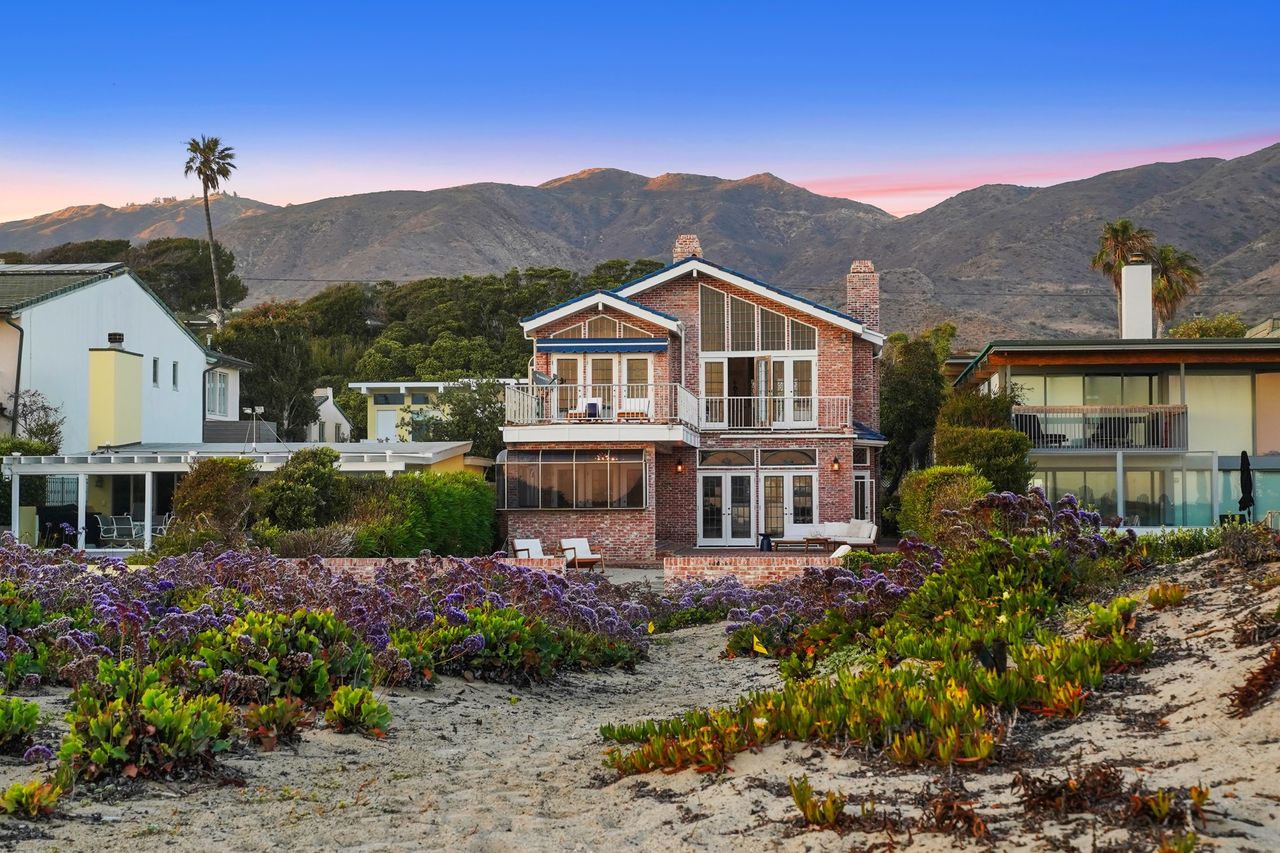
(333, 423)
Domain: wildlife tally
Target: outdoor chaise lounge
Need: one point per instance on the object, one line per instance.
(578, 554)
(1030, 425)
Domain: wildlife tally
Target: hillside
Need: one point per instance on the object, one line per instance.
(997, 260)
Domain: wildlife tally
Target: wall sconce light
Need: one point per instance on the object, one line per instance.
(679, 467)
(835, 464)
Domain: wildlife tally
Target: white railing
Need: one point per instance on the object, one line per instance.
(600, 403)
(778, 413)
(673, 403)
(1103, 427)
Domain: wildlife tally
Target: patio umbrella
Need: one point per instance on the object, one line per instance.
(1246, 482)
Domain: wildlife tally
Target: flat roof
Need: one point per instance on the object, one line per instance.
(1130, 350)
(409, 385)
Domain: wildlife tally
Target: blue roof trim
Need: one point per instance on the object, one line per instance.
(609, 293)
(602, 345)
(867, 433)
(827, 308)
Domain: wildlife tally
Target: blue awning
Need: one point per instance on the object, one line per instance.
(602, 345)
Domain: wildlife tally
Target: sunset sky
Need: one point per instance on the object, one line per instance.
(895, 104)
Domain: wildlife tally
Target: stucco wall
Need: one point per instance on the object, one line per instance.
(55, 358)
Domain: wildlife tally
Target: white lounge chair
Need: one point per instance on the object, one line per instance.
(639, 408)
(578, 554)
(841, 552)
(531, 548)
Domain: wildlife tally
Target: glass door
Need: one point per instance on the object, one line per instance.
(567, 394)
(790, 504)
(601, 392)
(726, 514)
(713, 392)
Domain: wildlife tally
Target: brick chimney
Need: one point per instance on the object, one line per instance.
(687, 246)
(862, 286)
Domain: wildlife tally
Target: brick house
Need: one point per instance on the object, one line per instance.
(694, 406)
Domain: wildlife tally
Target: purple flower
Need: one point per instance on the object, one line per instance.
(37, 754)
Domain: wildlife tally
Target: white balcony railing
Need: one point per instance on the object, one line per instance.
(777, 413)
(1103, 427)
(597, 403)
(673, 403)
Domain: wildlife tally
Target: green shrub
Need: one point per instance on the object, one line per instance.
(211, 504)
(32, 490)
(278, 721)
(301, 655)
(969, 407)
(336, 540)
(925, 494)
(18, 611)
(353, 709)
(1177, 544)
(1000, 455)
(1222, 325)
(128, 722)
(18, 719)
(306, 491)
(31, 799)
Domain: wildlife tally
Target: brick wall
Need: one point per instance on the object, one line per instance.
(677, 496)
(752, 570)
(622, 536)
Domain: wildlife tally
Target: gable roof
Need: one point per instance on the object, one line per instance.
(600, 298)
(799, 303)
(24, 285)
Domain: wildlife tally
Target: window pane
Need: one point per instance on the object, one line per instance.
(557, 485)
(788, 457)
(602, 327)
(803, 336)
(860, 494)
(1137, 391)
(1102, 391)
(713, 378)
(629, 331)
(1030, 390)
(742, 324)
(726, 457)
(626, 485)
(593, 485)
(1063, 391)
(637, 374)
(773, 330)
(574, 331)
(712, 320)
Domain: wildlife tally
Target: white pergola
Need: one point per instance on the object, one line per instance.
(386, 458)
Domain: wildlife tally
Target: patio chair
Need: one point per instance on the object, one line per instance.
(159, 528)
(578, 554)
(1030, 425)
(106, 528)
(126, 529)
(531, 548)
(636, 408)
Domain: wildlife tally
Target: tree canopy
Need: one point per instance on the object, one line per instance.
(178, 270)
(1218, 326)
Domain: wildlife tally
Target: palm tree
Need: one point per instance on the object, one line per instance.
(1119, 241)
(1175, 276)
(210, 160)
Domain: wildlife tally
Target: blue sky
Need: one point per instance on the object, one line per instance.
(896, 104)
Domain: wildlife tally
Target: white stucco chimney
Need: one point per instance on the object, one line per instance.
(1135, 300)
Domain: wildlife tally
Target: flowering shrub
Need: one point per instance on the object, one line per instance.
(18, 719)
(964, 646)
(355, 710)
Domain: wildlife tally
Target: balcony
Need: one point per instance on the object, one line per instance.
(1086, 428)
(627, 407)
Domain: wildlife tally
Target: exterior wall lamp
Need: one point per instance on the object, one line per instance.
(835, 464)
(679, 467)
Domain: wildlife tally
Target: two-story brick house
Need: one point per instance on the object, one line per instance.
(695, 406)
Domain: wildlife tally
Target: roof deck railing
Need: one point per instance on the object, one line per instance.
(1084, 428)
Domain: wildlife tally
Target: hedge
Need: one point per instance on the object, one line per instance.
(925, 494)
(1000, 455)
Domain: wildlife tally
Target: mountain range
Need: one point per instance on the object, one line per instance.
(998, 260)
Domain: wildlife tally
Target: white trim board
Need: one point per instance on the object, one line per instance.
(599, 301)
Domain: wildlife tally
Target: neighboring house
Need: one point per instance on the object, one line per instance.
(53, 317)
(1268, 328)
(1146, 430)
(391, 405)
(332, 424)
(695, 406)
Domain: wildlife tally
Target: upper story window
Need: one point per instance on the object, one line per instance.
(215, 392)
(175, 376)
(737, 325)
(602, 327)
(388, 399)
(155, 373)
(574, 331)
(626, 330)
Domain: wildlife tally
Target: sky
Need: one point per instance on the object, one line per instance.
(900, 105)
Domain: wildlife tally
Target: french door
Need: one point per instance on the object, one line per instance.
(790, 502)
(726, 511)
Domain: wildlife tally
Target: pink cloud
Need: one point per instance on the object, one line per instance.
(908, 189)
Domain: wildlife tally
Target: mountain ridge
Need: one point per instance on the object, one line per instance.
(999, 259)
